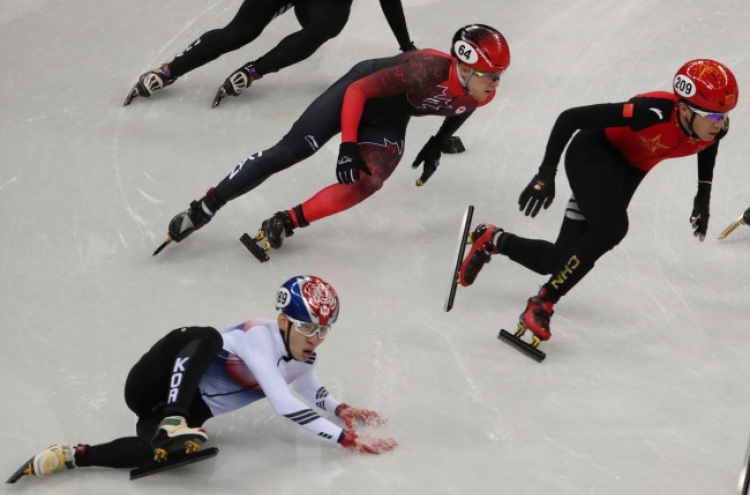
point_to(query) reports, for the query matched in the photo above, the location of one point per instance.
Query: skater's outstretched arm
(394, 14)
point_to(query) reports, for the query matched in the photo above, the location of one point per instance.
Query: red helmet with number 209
(707, 85)
(481, 47)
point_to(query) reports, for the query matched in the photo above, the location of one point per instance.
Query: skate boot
(237, 82)
(174, 436)
(536, 318)
(190, 220)
(275, 229)
(483, 243)
(52, 460)
(185, 223)
(150, 82)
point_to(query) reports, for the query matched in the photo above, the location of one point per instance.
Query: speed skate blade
(744, 482)
(160, 467)
(522, 346)
(22, 471)
(251, 246)
(220, 95)
(463, 235)
(131, 96)
(732, 228)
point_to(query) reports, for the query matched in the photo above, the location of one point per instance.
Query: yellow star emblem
(653, 143)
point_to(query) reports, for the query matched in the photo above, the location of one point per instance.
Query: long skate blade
(522, 346)
(744, 482)
(131, 96)
(460, 250)
(160, 467)
(164, 244)
(219, 96)
(732, 228)
(251, 246)
(22, 471)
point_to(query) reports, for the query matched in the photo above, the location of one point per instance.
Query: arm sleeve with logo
(637, 113)
(309, 387)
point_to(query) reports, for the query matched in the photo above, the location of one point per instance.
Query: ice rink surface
(645, 387)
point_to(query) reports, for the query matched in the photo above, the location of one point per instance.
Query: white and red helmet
(481, 47)
(309, 299)
(707, 85)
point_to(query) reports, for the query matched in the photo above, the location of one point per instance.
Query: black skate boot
(185, 223)
(150, 82)
(237, 82)
(275, 229)
(482, 242)
(174, 436)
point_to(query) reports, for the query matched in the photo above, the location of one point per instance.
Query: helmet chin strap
(285, 338)
(463, 80)
(689, 130)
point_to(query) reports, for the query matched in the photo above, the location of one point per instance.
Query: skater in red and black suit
(371, 107)
(616, 146)
(321, 20)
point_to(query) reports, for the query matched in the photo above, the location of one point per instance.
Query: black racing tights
(152, 391)
(596, 219)
(321, 20)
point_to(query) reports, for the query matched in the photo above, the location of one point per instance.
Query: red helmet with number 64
(707, 85)
(481, 47)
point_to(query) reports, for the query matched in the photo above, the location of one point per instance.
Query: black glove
(699, 217)
(540, 191)
(408, 47)
(350, 164)
(430, 155)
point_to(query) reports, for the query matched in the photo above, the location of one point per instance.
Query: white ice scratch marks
(10, 181)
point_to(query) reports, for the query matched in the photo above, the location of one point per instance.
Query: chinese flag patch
(627, 110)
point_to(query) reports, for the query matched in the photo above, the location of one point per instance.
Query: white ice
(645, 387)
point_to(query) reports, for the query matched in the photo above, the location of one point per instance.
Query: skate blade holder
(744, 219)
(166, 465)
(260, 252)
(529, 349)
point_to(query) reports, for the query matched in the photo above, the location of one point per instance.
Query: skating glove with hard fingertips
(350, 164)
(700, 214)
(349, 414)
(350, 440)
(540, 192)
(430, 156)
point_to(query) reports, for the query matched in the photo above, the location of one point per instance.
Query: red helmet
(707, 84)
(481, 47)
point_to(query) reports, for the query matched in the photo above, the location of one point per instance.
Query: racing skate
(271, 235)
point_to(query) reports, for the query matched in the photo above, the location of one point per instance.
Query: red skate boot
(536, 319)
(482, 246)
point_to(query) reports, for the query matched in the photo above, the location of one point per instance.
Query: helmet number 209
(684, 86)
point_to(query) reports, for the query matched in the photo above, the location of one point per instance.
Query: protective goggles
(712, 116)
(488, 77)
(310, 329)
